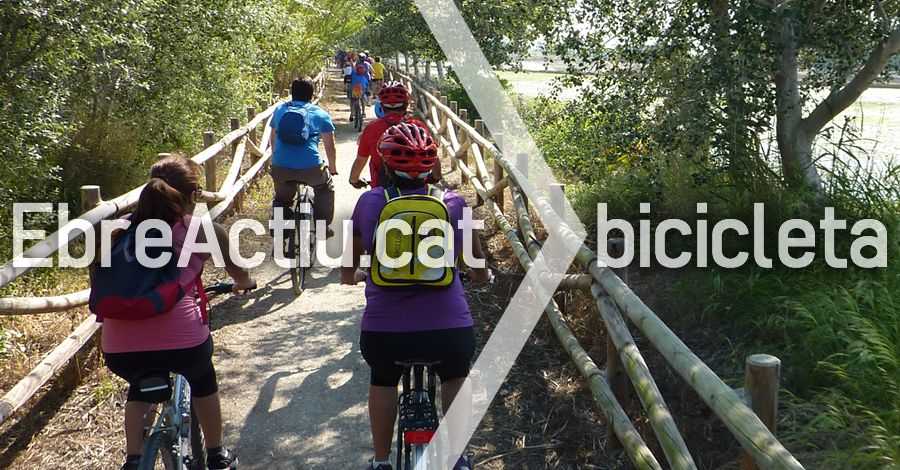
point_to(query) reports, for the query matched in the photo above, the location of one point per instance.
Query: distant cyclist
(394, 99)
(377, 75)
(430, 323)
(359, 87)
(178, 340)
(297, 128)
(348, 76)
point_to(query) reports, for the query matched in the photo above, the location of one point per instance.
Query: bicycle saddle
(155, 386)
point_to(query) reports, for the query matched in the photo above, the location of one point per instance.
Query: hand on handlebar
(359, 184)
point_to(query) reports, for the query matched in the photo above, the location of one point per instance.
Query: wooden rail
(466, 143)
(233, 186)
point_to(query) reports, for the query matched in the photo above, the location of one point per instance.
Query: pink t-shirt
(180, 328)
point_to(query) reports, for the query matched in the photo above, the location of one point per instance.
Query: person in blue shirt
(298, 127)
(359, 88)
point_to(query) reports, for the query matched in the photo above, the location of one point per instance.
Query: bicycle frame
(171, 431)
(304, 234)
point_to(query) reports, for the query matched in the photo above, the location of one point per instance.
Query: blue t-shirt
(301, 157)
(361, 79)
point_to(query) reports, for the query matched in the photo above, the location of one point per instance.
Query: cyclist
(348, 75)
(394, 99)
(179, 340)
(404, 323)
(377, 75)
(297, 128)
(359, 88)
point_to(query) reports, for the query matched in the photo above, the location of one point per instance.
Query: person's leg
(135, 413)
(285, 189)
(378, 351)
(323, 185)
(382, 414)
(209, 412)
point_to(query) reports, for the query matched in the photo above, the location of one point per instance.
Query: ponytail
(168, 195)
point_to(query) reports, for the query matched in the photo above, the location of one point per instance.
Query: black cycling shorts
(195, 364)
(453, 348)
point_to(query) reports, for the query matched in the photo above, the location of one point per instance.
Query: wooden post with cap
(498, 169)
(762, 379)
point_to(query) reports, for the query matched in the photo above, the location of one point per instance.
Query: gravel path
(293, 383)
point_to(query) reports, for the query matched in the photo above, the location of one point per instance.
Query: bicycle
(357, 112)
(175, 438)
(417, 414)
(304, 225)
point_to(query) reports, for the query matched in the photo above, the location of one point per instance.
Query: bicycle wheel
(159, 452)
(293, 252)
(417, 454)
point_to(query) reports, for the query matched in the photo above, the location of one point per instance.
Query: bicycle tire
(296, 274)
(158, 448)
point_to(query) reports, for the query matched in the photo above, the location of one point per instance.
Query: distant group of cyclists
(363, 78)
(408, 315)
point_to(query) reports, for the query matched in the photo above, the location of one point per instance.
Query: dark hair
(302, 90)
(170, 191)
(378, 59)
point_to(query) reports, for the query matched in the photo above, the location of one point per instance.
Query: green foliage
(695, 80)
(505, 29)
(92, 90)
(839, 333)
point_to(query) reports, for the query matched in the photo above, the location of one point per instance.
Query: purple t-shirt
(406, 309)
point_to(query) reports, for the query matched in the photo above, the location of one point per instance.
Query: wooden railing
(241, 142)
(749, 414)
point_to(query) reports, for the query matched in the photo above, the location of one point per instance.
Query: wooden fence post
(235, 125)
(762, 379)
(251, 113)
(210, 165)
(464, 115)
(90, 197)
(498, 169)
(454, 106)
(522, 166)
(479, 128)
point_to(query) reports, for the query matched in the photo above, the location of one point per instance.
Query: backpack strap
(202, 299)
(436, 192)
(391, 192)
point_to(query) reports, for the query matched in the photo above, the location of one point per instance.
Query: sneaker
(464, 463)
(224, 460)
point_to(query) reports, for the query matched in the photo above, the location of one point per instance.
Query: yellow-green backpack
(414, 210)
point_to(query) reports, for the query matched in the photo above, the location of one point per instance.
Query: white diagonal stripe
(525, 308)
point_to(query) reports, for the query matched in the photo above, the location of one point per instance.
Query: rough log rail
(463, 142)
(241, 140)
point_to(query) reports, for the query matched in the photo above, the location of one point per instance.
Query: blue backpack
(293, 128)
(127, 290)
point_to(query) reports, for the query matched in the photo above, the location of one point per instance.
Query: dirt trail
(292, 381)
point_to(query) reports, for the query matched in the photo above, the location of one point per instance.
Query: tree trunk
(794, 143)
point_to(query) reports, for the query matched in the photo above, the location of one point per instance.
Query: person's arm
(349, 274)
(330, 152)
(358, 165)
(479, 275)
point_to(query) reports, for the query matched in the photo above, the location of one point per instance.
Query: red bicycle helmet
(393, 95)
(409, 150)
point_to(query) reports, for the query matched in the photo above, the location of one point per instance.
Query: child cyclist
(406, 323)
(359, 88)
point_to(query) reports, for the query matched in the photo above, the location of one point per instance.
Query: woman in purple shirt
(403, 323)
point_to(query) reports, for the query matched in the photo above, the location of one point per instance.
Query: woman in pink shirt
(178, 341)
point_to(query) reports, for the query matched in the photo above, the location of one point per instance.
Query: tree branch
(839, 100)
